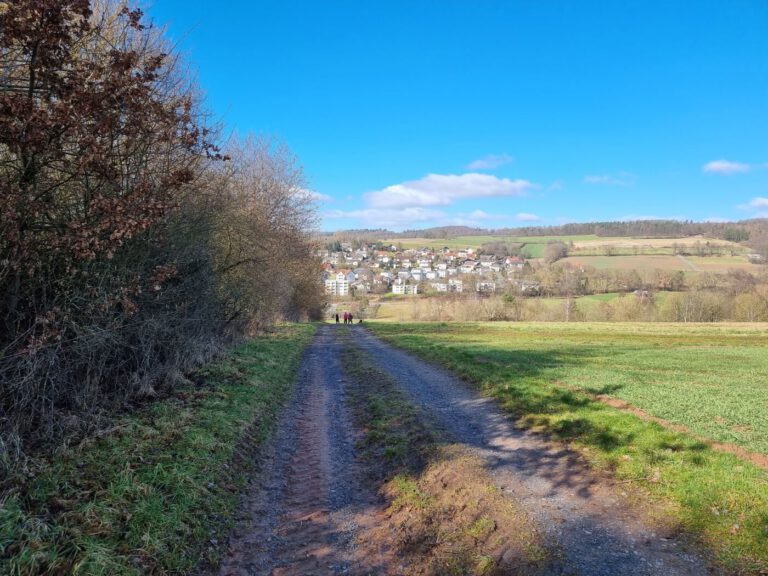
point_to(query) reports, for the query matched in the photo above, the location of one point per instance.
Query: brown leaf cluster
(129, 250)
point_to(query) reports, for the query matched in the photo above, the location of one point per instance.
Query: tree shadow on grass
(514, 442)
(524, 384)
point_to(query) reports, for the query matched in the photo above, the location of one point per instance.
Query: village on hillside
(563, 278)
(377, 269)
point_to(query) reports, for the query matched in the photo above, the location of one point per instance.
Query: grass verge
(444, 516)
(546, 377)
(156, 494)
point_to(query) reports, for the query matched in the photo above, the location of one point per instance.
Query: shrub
(131, 248)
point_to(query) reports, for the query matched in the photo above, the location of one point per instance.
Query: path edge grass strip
(444, 514)
(158, 494)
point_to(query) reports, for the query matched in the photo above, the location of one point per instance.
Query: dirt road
(311, 502)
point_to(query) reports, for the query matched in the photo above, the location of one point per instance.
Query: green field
(658, 252)
(713, 379)
(693, 264)
(722, 263)
(600, 297)
(477, 241)
(533, 245)
(709, 379)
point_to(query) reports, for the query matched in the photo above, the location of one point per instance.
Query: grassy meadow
(533, 245)
(669, 262)
(589, 246)
(709, 381)
(156, 492)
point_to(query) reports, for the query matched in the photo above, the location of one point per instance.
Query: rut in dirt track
(308, 501)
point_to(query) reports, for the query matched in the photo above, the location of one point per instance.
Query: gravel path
(599, 531)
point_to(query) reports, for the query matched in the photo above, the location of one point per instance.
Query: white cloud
(420, 202)
(482, 215)
(555, 186)
(490, 162)
(444, 189)
(316, 196)
(476, 218)
(387, 217)
(758, 207)
(461, 220)
(621, 179)
(637, 217)
(725, 167)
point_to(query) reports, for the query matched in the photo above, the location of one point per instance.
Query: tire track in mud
(308, 501)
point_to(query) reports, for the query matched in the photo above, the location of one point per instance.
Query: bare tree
(264, 242)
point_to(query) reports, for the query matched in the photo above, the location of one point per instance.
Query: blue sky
(414, 113)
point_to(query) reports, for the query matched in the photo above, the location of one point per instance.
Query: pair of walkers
(347, 318)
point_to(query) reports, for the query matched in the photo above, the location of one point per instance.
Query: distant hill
(754, 232)
(734, 231)
(372, 234)
(447, 232)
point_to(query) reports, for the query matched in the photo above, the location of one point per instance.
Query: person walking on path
(337, 317)
(350, 317)
(346, 317)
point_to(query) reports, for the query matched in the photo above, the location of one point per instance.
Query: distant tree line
(502, 248)
(132, 246)
(736, 232)
(358, 235)
(754, 232)
(445, 232)
(654, 296)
